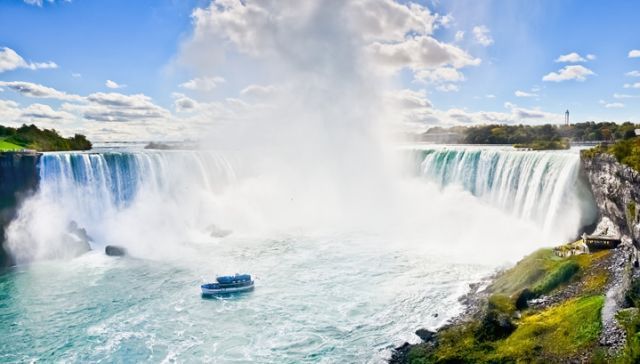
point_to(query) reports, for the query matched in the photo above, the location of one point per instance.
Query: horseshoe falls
(545, 187)
(343, 274)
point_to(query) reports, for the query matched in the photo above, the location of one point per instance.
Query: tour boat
(228, 284)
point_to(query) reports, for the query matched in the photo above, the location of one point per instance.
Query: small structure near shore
(588, 244)
(600, 242)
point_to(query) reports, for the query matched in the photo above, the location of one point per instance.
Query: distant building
(637, 132)
(566, 118)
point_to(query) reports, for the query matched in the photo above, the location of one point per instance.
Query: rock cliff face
(18, 179)
(616, 189)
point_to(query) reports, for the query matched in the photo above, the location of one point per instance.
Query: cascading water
(544, 187)
(186, 192)
(113, 179)
(106, 192)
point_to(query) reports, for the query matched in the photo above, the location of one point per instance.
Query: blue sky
(529, 36)
(126, 41)
(140, 45)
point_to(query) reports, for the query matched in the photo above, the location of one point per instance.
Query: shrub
(556, 277)
(494, 325)
(633, 294)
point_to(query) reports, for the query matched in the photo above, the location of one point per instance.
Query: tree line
(526, 134)
(45, 140)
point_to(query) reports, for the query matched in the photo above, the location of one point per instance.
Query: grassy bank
(33, 138)
(6, 146)
(506, 329)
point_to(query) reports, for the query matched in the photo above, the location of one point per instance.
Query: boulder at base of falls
(218, 232)
(115, 251)
(77, 240)
(74, 246)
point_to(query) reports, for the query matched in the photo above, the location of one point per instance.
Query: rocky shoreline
(471, 301)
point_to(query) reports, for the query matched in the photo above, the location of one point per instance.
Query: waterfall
(107, 180)
(157, 202)
(545, 187)
(154, 197)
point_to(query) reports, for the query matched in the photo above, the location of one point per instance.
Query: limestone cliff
(616, 189)
(18, 179)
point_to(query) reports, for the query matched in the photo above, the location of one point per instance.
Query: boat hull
(226, 290)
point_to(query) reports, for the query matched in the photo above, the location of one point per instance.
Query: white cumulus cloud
(258, 91)
(10, 60)
(40, 2)
(202, 83)
(421, 52)
(114, 85)
(119, 107)
(574, 72)
(183, 103)
(635, 53)
(41, 111)
(35, 90)
(387, 34)
(573, 58)
(519, 93)
(624, 96)
(439, 75)
(482, 35)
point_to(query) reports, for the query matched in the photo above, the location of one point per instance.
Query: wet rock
(76, 240)
(217, 232)
(115, 251)
(426, 335)
(400, 354)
